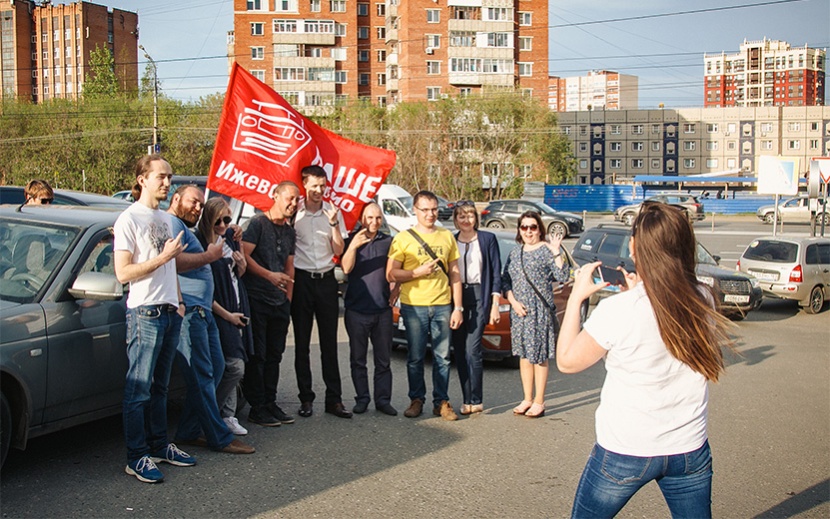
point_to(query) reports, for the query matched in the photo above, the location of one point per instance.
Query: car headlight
(571, 220)
(707, 280)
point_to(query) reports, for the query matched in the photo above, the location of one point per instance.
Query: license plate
(764, 276)
(400, 324)
(733, 298)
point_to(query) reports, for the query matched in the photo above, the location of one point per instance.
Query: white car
(794, 210)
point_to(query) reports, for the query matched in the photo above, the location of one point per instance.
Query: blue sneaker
(174, 456)
(145, 470)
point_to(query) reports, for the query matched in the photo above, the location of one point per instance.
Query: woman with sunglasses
(661, 340)
(230, 306)
(531, 271)
(480, 268)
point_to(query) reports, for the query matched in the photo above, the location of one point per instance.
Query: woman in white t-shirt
(661, 340)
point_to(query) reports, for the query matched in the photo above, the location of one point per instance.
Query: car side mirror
(97, 285)
(717, 259)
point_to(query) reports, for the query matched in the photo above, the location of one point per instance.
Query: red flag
(262, 141)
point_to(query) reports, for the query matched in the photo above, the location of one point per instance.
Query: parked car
(445, 208)
(737, 293)
(15, 195)
(62, 312)
(124, 195)
(797, 209)
(496, 343)
(694, 208)
(504, 214)
(790, 268)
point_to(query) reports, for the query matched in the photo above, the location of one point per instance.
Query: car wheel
(628, 219)
(558, 228)
(823, 218)
(769, 218)
(6, 426)
(495, 224)
(816, 302)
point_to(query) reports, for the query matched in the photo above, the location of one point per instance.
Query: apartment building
(45, 48)
(599, 90)
(765, 73)
(615, 146)
(319, 52)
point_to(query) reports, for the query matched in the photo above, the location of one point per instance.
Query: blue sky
(188, 40)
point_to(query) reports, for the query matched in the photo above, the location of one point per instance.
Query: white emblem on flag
(270, 131)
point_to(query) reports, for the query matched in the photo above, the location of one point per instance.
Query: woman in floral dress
(528, 280)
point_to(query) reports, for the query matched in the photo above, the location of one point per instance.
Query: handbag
(549, 306)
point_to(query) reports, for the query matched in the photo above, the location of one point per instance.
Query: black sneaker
(279, 414)
(261, 416)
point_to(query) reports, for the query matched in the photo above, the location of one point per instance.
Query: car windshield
(407, 202)
(545, 208)
(772, 250)
(703, 256)
(29, 252)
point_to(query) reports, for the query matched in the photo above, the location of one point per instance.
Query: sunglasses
(531, 227)
(44, 201)
(225, 219)
(465, 203)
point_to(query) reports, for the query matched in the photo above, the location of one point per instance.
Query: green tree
(100, 80)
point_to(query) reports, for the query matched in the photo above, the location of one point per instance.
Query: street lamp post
(155, 99)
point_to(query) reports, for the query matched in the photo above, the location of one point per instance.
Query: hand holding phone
(615, 278)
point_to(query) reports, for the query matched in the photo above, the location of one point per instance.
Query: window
(254, 5)
(433, 67)
(615, 163)
(433, 15)
(637, 146)
(285, 25)
(338, 53)
(689, 163)
(285, 6)
(381, 79)
(433, 93)
(655, 128)
(289, 74)
(525, 18)
(314, 6)
(583, 163)
(793, 145)
(655, 145)
(381, 56)
(381, 9)
(259, 74)
(362, 32)
(637, 129)
(616, 129)
(337, 6)
(814, 144)
(730, 128)
(583, 146)
(766, 128)
(525, 43)
(257, 29)
(655, 164)
(526, 69)
(636, 163)
(731, 145)
(381, 31)
(363, 9)
(711, 163)
(363, 55)
(766, 145)
(257, 52)
(689, 128)
(814, 126)
(494, 14)
(711, 128)
(434, 41)
(499, 39)
(363, 80)
(340, 76)
(689, 145)
(340, 29)
(731, 163)
(794, 127)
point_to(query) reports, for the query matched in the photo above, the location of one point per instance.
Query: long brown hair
(664, 252)
(142, 169)
(211, 212)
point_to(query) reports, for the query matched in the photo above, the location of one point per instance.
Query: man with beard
(199, 354)
(268, 244)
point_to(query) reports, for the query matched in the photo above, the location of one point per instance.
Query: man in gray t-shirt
(268, 244)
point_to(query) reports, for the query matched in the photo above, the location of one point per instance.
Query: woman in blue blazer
(480, 266)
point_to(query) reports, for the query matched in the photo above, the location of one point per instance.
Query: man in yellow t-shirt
(425, 264)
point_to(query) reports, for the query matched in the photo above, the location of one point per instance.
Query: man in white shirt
(320, 229)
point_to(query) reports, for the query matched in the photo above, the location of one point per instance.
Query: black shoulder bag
(428, 250)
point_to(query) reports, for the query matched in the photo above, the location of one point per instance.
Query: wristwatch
(458, 309)
(334, 224)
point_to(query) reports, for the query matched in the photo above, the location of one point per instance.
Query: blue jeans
(466, 344)
(424, 322)
(152, 336)
(202, 364)
(609, 480)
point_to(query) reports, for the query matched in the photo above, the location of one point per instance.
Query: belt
(316, 275)
(164, 307)
(470, 285)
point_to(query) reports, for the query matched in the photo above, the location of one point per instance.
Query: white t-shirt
(143, 232)
(651, 403)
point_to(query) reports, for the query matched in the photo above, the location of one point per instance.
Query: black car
(15, 195)
(737, 293)
(504, 214)
(445, 208)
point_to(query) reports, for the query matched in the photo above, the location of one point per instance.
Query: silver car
(794, 210)
(62, 313)
(790, 268)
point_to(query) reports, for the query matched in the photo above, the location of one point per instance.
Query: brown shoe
(416, 407)
(238, 447)
(445, 411)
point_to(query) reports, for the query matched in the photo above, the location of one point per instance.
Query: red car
(496, 343)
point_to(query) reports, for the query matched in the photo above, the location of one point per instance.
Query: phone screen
(613, 276)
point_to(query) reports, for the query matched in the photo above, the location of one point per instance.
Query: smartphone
(245, 320)
(615, 277)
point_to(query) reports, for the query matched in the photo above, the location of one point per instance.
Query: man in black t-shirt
(268, 244)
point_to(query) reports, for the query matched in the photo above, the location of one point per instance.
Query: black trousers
(378, 328)
(316, 298)
(269, 324)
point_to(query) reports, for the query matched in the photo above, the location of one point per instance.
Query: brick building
(615, 146)
(765, 73)
(599, 90)
(45, 48)
(318, 52)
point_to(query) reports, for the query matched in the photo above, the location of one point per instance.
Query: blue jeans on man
(423, 323)
(152, 337)
(202, 364)
(610, 480)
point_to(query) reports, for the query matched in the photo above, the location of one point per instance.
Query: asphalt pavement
(769, 432)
